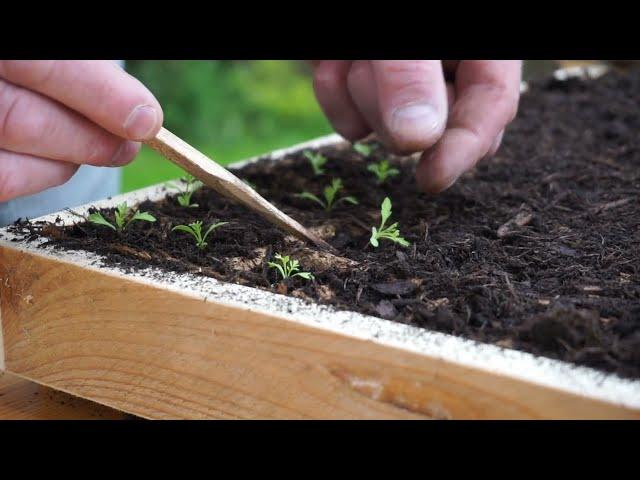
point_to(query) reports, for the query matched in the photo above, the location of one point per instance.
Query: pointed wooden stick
(224, 182)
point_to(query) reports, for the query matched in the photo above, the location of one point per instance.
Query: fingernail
(125, 153)
(415, 121)
(141, 122)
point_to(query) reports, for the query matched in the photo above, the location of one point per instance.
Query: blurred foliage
(228, 109)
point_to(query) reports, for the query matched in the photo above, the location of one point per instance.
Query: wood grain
(227, 184)
(161, 354)
(24, 400)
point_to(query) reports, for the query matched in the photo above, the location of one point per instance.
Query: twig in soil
(614, 204)
(68, 210)
(522, 219)
(123, 249)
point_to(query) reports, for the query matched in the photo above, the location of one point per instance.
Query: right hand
(56, 115)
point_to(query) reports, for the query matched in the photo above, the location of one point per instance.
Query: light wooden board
(24, 400)
(161, 354)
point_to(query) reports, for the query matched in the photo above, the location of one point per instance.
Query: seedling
(391, 232)
(317, 161)
(363, 149)
(191, 186)
(330, 200)
(123, 218)
(289, 268)
(382, 171)
(195, 230)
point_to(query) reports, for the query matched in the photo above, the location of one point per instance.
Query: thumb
(412, 98)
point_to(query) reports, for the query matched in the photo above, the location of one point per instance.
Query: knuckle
(32, 72)
(13, 124)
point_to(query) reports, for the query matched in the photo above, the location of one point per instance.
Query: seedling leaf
(329, 193)
(391, 232)
(363, 149)
(121, 214)
(317, 161)
(382, 171)
(288, 267)
(98, 219)
(195, 230)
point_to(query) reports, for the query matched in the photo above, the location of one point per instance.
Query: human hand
(58, 114)
(412, 108)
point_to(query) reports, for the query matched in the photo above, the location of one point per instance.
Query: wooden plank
(159, 353)
(24, 400)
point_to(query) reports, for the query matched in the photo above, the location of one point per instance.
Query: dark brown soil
(537, 249)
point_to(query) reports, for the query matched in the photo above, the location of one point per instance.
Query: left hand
(412, 108)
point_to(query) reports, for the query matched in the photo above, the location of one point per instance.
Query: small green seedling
(123, 218)
(391, 232)
(364, 149)
(195, 230)
(192, 185)
(289, 268)
(330, 200)
(317, 161)
(382, 171)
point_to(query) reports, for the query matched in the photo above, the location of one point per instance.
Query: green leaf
(212, 227)
(98, 219)
(122, 208)
(363, 149)
(403, 242)
(311, 196)
(278, 267)
(147, 217)
(183, 228)
(288, 268)
(305, 275)
(374, 237)
(316, 160)
(351, 200)
(385, 210)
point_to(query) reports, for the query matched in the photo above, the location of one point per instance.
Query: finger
(412, 99)
(330, 86)
(496, 144)
(362, 89)
(36, 125)
(22, 175)
(487, 93)
(98, 89)
(451, 96)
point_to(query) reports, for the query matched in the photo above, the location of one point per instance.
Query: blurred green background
(232, 110)
(229, 110)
